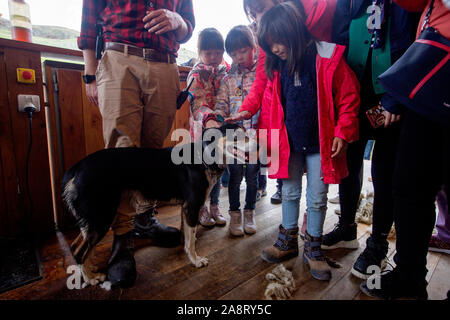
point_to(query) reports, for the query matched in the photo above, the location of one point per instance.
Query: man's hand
(339, 147)
(390, 118)
(92, 93)
(244, 115)
(163, 20)
(90, 66)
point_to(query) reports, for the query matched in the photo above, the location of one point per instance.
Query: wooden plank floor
(236, 270)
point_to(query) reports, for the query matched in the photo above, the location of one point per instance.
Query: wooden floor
(236, 270)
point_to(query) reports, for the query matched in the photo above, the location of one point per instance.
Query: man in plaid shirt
(135, 85)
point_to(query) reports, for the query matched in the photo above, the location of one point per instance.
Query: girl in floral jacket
(206, 77)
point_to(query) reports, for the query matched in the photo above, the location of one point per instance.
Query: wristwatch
(87, 78)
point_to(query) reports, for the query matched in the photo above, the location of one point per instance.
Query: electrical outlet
(25, 100)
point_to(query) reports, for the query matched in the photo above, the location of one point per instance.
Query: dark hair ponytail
(284, 24)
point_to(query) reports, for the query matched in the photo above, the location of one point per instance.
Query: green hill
(67, 38)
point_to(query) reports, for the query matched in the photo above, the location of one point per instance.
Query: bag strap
(427, 16)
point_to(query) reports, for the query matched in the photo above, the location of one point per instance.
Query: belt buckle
(146, 54)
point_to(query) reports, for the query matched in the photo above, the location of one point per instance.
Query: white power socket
(26, 100)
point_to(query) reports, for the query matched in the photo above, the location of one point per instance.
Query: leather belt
(145, 53)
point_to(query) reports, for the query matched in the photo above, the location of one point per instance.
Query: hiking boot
(236, 228)
(314, 258)
(276, 198)
(341, 237)
(205, 218)
(121, 265)
(260, 194)
(249, 221)
(217, 215)
(394, 285)
(285, 247)
(373, 255)
(146, 226)
(437, 245)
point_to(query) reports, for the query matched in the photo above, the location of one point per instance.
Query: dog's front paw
(92, 278)
(201, 262)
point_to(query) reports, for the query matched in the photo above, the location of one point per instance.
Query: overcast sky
(221, 14)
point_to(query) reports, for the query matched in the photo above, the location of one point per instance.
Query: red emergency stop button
(26, 75)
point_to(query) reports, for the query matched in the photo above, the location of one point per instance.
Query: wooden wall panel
(72, 120)
(8, 180)
(42, 219)
(3, 211)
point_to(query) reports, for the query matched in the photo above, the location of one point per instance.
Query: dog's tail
(70, 192)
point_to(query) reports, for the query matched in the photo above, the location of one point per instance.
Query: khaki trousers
(137, 101)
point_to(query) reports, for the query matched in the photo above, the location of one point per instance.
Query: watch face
(88, 78)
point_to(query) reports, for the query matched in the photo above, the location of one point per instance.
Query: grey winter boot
(314, 258)
(285, 247)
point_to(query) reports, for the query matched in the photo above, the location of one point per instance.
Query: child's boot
(249, 221)
(217, 215)
(205, 218)
(314, 258)
(236, 228)
(285, 247)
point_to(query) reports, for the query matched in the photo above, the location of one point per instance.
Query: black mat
(19, 263)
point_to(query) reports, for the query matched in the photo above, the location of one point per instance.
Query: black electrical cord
(29, 111)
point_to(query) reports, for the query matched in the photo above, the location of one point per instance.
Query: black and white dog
(92, 188)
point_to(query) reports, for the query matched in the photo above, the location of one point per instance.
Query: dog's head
(230, 144)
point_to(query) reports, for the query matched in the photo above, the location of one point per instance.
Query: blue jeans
(316, 193)
(368, 150)
(225, 178)
(262, 180)
(214, 194)
(251, 179)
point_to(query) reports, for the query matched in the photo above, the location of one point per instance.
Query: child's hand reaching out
(339, 147)
(244, 115)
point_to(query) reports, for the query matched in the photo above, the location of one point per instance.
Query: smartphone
(376, 116)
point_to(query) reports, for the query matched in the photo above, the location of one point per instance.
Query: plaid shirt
(122, 22)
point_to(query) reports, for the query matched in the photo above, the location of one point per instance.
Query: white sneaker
(334, 200)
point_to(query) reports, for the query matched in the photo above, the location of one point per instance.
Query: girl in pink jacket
(313, 108)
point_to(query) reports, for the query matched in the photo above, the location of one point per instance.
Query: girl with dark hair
(206, 76)
(315, 100)
(241, 47)
(319, 15)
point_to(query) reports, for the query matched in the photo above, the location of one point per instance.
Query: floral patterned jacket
(204, 88)
(233, 89)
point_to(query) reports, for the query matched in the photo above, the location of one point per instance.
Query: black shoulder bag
(420, 79)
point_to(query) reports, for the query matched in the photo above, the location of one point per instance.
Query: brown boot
(249, 221)
(314, 258)
(236, 228)
(285, 247)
